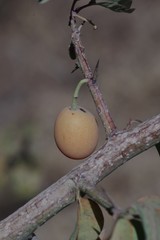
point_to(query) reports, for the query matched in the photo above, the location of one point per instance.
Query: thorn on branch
(95, 73)
(100, 196)
(132, 123)
(75, 68)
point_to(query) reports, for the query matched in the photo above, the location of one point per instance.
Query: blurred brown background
(36, 83)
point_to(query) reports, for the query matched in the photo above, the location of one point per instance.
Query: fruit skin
(76, 132)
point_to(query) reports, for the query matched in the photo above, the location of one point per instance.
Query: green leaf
(158, 147)
(124, 230)
(148, 210)
(42, 1)
(115, 5)
(90, 221)
(141, 221)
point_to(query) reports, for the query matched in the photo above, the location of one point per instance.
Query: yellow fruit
(76, 132)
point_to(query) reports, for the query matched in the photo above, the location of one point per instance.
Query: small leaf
(90, 221)
(158, 147)
(141, 221)
(115, 5)
(124, 230)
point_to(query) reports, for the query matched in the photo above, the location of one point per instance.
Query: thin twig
(101, 106)
(72, 9)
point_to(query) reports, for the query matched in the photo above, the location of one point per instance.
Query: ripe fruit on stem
(76, 130)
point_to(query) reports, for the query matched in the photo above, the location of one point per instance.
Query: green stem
(76, 93)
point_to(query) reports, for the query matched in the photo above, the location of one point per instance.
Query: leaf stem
(78, 9)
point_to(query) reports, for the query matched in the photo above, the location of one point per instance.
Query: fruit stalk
(76, 93)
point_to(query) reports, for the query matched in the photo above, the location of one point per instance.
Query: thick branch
(120, 148)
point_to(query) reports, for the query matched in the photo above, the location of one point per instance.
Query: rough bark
(120, 148)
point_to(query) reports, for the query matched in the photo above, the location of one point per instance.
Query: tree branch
(101, 106)
(120, 148)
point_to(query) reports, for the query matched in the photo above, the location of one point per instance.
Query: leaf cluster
(139, 222)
